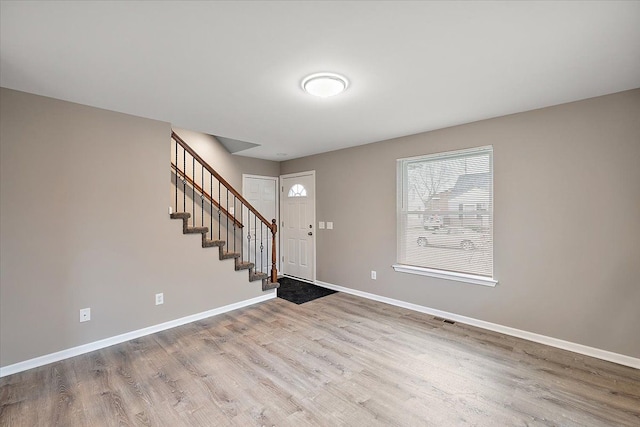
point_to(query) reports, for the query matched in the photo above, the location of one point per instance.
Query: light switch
(329, 225)
(321, 225)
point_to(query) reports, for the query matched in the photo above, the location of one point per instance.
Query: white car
(432, 222)
(463, 238)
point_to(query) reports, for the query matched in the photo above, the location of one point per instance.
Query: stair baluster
(234, 225)
(219, 218)
(176, 205)
(193, 191)
(184, 181)
(211, 206)
(261, 250)
(202, 197)
(227, 218)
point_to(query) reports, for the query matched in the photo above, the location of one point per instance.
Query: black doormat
(300, 292)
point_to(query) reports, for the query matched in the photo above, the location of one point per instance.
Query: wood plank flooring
(336, 361)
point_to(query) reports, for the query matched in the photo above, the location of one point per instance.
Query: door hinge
(282, 259)
(282, 224)
(282, 189)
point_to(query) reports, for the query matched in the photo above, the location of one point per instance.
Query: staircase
(226, 219)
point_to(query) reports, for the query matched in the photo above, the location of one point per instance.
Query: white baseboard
(299, 279)
(97, 345)
(542, 339)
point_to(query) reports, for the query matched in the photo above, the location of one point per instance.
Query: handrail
(206, 195)
(222, 180)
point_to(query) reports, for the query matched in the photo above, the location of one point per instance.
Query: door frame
(315, 225)
(277, 181)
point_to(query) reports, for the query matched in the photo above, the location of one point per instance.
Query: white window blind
(445, 211)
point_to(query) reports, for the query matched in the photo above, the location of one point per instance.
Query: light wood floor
(339, 360)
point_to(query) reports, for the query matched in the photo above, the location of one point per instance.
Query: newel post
(274, 257)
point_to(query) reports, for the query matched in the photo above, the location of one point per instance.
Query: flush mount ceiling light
(324, 85)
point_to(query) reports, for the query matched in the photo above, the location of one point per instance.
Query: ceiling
(234, 69)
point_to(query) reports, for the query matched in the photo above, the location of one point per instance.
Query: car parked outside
(432, 222)
(454, 237)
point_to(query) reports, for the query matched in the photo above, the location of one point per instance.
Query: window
(445, 215)
(297, 190)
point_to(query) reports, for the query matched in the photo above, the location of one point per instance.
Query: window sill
(448, 275)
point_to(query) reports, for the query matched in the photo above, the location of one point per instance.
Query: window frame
(402, 201)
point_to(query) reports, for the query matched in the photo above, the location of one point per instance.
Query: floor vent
(439, 319)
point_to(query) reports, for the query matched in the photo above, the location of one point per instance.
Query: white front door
(297, 225)
(261, 192)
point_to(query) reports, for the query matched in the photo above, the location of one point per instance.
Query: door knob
(310, 233)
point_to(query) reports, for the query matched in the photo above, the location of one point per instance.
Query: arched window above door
(298, 190)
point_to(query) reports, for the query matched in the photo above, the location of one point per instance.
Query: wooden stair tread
(257, 276)
(196, 230)
(208, 243)
(266, 285)
(180, 215)
(229, 255)
(244, 265)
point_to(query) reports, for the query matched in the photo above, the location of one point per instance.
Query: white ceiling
(234, 68)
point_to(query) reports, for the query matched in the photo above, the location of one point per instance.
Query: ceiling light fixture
(324, 85)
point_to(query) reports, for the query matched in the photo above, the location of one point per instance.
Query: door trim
(277, 181)
(315, 225)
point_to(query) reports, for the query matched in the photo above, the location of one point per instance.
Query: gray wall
(230, 166)
(567, 221)
(84, 194)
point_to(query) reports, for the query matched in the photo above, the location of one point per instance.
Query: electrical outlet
(160, 298)
(321, 225)
(85, 315)
(373, 274)
(329, 225)
(170, 210)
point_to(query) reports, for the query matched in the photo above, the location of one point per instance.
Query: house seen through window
(445, 211)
